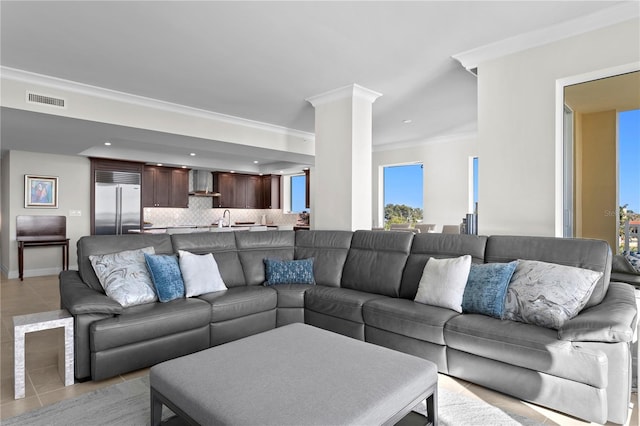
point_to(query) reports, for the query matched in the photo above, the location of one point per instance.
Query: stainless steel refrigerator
(117, 202)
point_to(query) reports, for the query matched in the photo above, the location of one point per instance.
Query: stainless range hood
(201, 184)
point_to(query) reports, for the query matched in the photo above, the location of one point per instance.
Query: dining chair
(399, 226)
(451, 229)
(426, 227)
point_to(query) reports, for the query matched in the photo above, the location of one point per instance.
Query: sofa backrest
(254, 247)
(105, 244)
(329, 251)
(439, 246)
(375, 261)
(582, 253)
(223, 247)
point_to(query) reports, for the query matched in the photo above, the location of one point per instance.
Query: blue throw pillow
(289, 271)
(487, 288)
(166, 276)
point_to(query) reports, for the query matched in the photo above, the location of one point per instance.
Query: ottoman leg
(156, 409)
(432, 407)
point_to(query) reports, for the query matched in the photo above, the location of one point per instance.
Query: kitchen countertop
(161, 229)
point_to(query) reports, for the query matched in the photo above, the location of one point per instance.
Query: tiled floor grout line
(35, 390)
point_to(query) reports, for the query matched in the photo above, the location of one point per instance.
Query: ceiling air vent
(35, 98)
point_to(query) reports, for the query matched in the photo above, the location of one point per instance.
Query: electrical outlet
(75, 212)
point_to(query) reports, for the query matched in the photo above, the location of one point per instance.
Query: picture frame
(40, 191)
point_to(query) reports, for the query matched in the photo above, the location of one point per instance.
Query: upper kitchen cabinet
(242, 191)
(165, 187)
(271, 192)
(232, 192)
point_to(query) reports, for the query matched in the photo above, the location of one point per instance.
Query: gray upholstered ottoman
(294, 375)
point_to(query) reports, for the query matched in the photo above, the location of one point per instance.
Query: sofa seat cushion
(291, 295)
(239, 302)
(149, 321)
(408, 318)
(528, 346)
(341, 303)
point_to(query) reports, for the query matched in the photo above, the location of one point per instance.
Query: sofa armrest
(612, 320)
(79, 298)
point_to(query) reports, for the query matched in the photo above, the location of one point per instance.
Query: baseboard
(38, 272)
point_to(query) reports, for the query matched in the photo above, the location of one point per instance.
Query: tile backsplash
(200, 213)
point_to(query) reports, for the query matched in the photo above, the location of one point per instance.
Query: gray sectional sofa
(365, 285)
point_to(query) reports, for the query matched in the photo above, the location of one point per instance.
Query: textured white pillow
(443, 282)
(200, 273)
(125, 277)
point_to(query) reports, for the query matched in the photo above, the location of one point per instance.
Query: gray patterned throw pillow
(125, 277)
(634, 259)
(547, 294)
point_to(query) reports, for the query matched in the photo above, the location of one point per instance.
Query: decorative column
(342, 178)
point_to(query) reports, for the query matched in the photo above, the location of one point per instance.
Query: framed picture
(41, 191)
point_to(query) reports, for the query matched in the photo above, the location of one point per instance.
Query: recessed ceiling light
(255, 161)
(261, 174)
(232, 171)
(193, 154)
(406, 121)
(184, 167)
(159, 164)
(281, 171)
(305, 168)
(107, 143)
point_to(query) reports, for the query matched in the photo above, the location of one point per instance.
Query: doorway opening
(594, 156)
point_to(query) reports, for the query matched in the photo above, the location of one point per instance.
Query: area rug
(127, 404)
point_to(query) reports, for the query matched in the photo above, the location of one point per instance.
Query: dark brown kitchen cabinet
(232, 194)
(165, 187)
(271, 192)
(242, 191)
(180, 188)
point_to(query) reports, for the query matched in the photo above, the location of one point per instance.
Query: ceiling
(621, 93)
(259, 61)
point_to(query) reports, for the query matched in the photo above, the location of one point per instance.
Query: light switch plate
(75, 212)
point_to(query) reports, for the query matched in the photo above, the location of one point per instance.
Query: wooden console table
(41, 231)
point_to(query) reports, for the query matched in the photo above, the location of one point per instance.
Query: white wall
(446, 177)
(516, 125)
(73, 194)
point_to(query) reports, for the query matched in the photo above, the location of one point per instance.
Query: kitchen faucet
(225, 214)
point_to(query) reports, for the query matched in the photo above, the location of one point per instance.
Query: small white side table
(23, 324)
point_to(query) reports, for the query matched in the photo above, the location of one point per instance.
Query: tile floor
(44, 386)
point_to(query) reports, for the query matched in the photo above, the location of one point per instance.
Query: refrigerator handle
(118, 210)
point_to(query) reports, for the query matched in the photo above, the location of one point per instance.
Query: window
(298, 200)
(629, 178)
(475, 185)
(403, 193)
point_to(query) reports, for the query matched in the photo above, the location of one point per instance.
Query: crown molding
(28, 77)
(352, 90)
(470, 59)
(393, 146)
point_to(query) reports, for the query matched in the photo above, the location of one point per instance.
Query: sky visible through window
(403, 185)
(629, 155)
(297, 193)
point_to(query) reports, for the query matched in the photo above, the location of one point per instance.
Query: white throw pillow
(124, 276)
(200, 273)
(443, 282)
